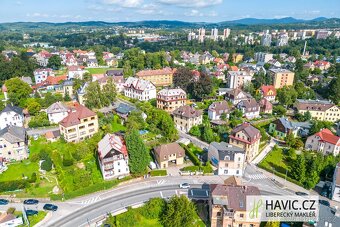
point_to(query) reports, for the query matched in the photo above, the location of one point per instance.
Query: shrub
(6, 186)
(11, 210)
(67, 162)
(158, 172)
(46, 165)
(191, 168)
(154, 208)
(33, 178)
(192, 156)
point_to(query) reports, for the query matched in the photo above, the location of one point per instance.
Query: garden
(196, 156)
(99, 70)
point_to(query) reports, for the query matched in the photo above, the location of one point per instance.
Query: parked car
(31, 201)
(50, 207)
(301, 193)
(324, 202)
(31, 212)
(184, 185)
(4, 201)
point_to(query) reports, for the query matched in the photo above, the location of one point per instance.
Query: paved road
(194, 140)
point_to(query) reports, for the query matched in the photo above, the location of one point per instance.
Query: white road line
(161, 194)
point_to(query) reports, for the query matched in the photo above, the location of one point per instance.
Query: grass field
(98, 70)
(36, 218)
(275, 160)
(116, 125)
(18, 170)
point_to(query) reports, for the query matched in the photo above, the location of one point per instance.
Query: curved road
(85, 215)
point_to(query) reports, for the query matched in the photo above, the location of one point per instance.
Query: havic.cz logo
(282, 208)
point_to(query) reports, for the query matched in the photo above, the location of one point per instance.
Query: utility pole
(304, 49)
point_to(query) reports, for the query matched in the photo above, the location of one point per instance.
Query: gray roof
(124, 108)
(226, 149)
(294, 125)
(10, 108)
(13, 134)
(57, 107)
(68, 83)
(327, 214)
(27, 79)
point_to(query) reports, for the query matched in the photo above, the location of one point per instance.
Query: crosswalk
(159, 182)
(91, 200)
(258, 176)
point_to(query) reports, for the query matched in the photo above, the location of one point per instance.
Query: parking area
(174, 169)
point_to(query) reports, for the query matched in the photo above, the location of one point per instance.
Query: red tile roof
(75, 116)
(327, 136)
(154, 72)
(266, 88)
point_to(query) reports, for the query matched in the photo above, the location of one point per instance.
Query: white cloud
(198, 13)
(192, 3)
(44, 15)
(124, 3)
(149, 9)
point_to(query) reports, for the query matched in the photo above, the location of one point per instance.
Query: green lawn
(275, 160)
(18, 170)
(148, 222)
(99, 70)
(116, 125)
(36, 218)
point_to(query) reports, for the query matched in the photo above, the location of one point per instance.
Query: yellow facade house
(322, 110)
(159, 77)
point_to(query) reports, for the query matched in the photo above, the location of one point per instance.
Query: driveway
(194, 140)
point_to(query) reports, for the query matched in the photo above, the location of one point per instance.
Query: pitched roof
(313, 105)
(219, 107)
(233, 181)
(114, 72)
(265, 105)
(187, 111)
(155, 72)
(52, 134)
(138, 84)
(124, 108)
(111, 142)
(57, 107)
(77, 113)
(163, 151)
(252, 132)
(327, 136)
(266, 88)
(13, 134)
(249, 104)
(10, 108)
(234, 197)
(171, 92)
(226, 150)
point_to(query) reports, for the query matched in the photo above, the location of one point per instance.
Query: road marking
(160, 182)
(259, 176)
(161, 194)
(91, 200)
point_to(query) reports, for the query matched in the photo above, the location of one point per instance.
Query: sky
(184, 10)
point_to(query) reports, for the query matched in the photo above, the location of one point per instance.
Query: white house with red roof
(268, 92)
(41, 75)
(113, 157)
(75, 72)
(324, 141)
(140, 89)
(42, 57)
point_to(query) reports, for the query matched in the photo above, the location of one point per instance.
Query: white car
(184, 185)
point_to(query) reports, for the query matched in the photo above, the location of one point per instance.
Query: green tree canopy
(54, 62)
(18, 91)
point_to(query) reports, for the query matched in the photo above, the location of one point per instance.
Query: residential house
(321, 110)
(322, 65)
(324, 141)
(206, 58)
(282, 127)
(42, 58)
(227, 205)
(27, 80)
(265, 106)
(263, 57)
(75, 72)
(186, 117)
(159, 77)
(57, 112)
(236, 95)
(91, 63)
(68, 87)
(170, 99)
(41, 75)
(80, 124)
(52, 136)
(8, 219)
(166, 154)
(281, 77)
(118, 78)
(13, 143)
(250, 108)
(268, 92)
(123, 110)
(228, 159)
(246, 137)
(237, 58)
(11, 116)
(237, 79)
(113, 157)
(140, 89)
(336, 184)
(216, 109)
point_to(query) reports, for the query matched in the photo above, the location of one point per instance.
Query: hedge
(7, 186)
(192, 156)
(158, 172)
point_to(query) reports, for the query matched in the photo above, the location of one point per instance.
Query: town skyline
(141, 10)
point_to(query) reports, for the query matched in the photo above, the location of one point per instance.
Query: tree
(179, 211)
(195, 131)
(109, 92)
(208, 134)
(286, 95)
(93, 95)
(334, 90)
(138, 154)
(318, 125)
(47, 164)
(54, 62)
(183, 78)
(18, 91)
(135, 121)
(203, 87)
(290, 139)
(279, 111)
(298, 168)
(33, 106)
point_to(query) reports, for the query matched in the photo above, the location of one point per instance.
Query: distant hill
(244, 23)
